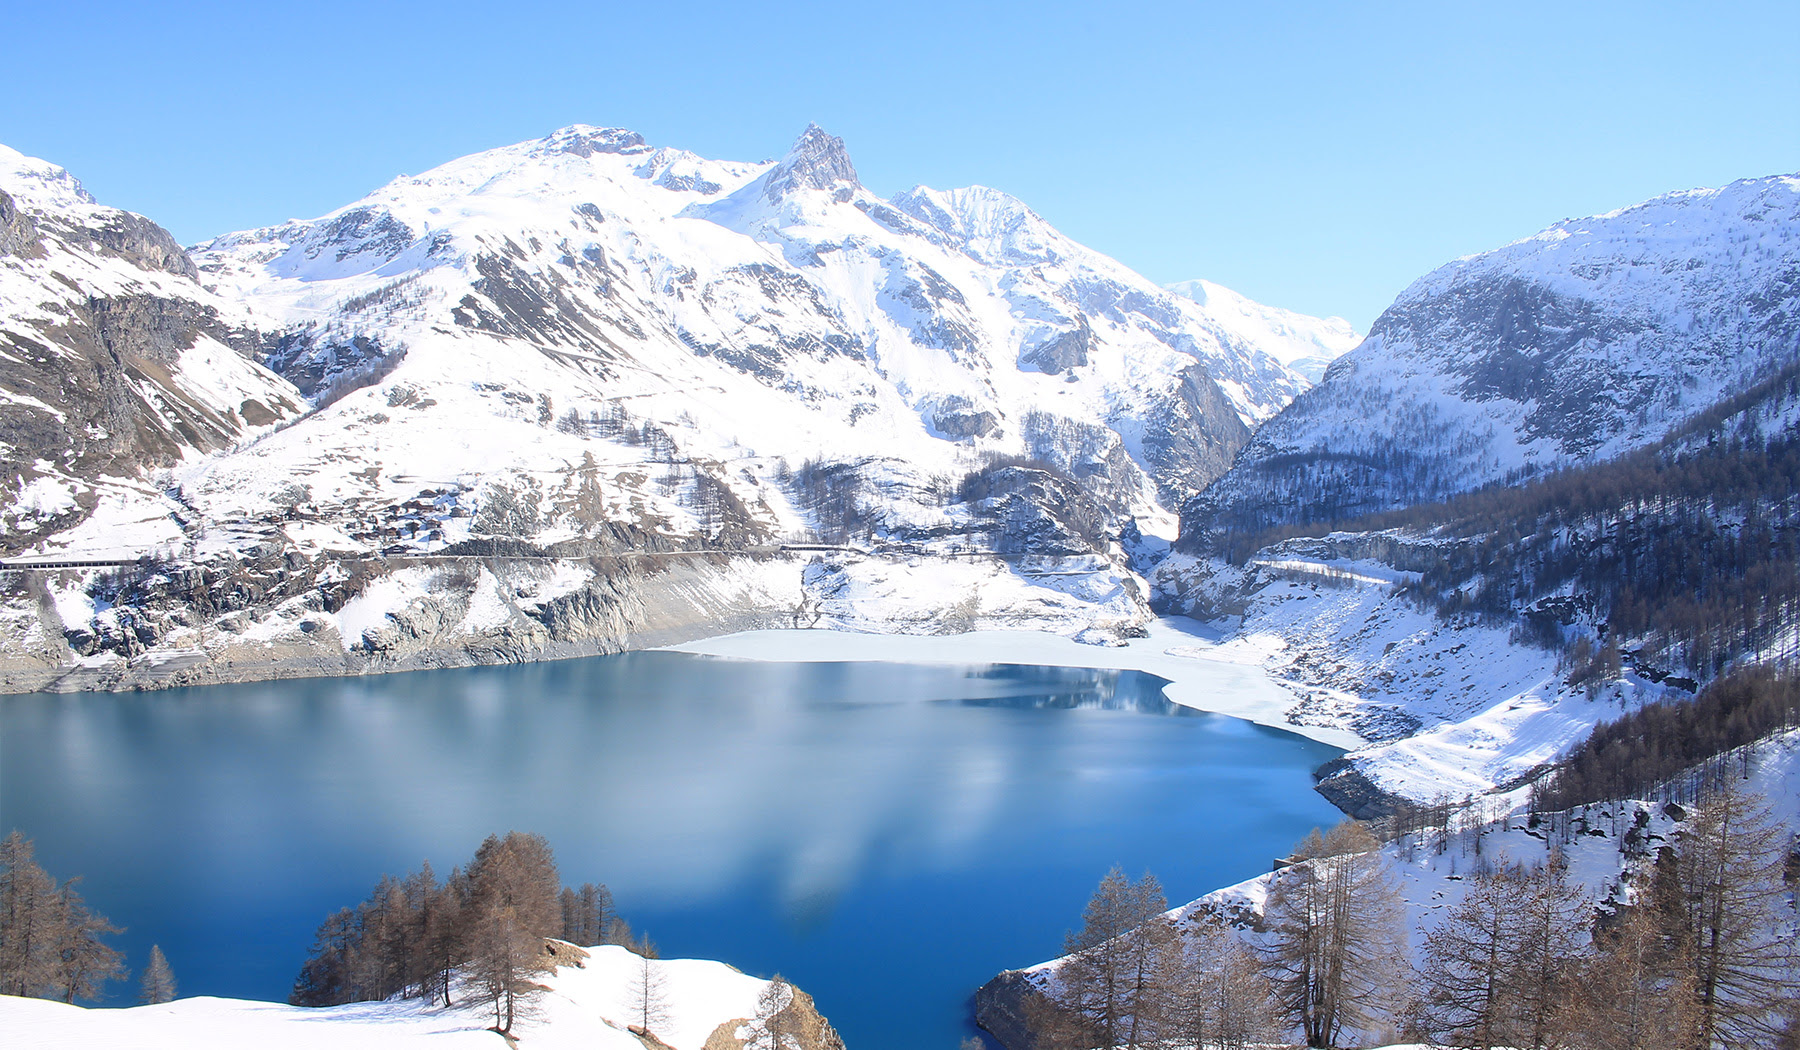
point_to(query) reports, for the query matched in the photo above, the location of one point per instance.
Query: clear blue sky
(1314, 156)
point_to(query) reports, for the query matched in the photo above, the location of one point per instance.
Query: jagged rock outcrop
(801, 1023)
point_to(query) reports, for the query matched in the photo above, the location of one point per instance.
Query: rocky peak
(585, 140)
(817, 161)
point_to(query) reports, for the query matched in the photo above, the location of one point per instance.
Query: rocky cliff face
(114, 363)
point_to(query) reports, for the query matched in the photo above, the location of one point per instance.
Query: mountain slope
(1473, 638)
(114, 362)
(587, 347)
(784, 308)
(1572, 346)
(1305, 344)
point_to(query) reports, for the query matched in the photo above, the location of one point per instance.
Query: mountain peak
(817, 161)
(585, 140)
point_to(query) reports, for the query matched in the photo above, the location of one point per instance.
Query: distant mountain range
(585, 345)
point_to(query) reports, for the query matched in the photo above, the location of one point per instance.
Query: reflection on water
(886, 835)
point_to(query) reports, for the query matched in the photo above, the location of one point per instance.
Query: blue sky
(1314, 156)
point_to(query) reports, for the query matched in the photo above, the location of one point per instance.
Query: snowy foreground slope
(587, 1007)
(588, 347)
(1608, 849)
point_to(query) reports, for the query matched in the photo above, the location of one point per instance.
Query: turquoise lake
(888, 836)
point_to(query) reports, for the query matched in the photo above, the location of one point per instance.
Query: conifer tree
(1215, 994)
(774, 1027)
(1553, 917)
(1336, 947)
(83, 961)
(1496, 967)
(1466, 963)
(50, 941)
(28, 920)
(514, 905)
(1636, 992)
(158, 982)
(1109, 977)
(650, 1002)
(1730, 858)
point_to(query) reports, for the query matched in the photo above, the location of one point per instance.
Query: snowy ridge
(114, 362)
(1305, 344)
(1572, 346)
(784, 308)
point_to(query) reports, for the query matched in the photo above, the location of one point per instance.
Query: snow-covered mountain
(1305, 344)
(1447, 635)
(585, 345)
(114, 362)
(1571, 346)
(750, 311)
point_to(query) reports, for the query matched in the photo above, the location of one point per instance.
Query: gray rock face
(93, 375)
(17, 233)
(1195, 435)
(1000, 1009)
(583, 141)
(817, 161)
(626, 605)
(106, 371)
(140, 242)
(1060, 352)
(958, 418)
(1345, 787)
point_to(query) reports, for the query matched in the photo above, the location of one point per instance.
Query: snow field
(586, 1008)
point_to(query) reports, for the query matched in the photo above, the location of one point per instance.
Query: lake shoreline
(1185, 652)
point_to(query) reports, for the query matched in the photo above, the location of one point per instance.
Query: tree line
(1666, 749)
(480, 932)
(52, 944)
(1695, 960)
(1692, 546)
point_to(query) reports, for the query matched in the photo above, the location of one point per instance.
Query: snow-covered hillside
(1449, 707)
(535, 302)
(114, 362)
(1583, 341)
(591, 1005)
(1305, 344)
(1608, 850)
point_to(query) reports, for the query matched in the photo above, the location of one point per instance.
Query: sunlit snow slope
(1571, 346)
